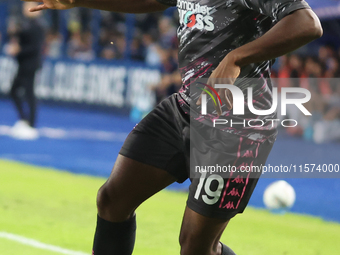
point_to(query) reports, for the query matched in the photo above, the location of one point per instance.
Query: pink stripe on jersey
(245, 186)
(231, 174)
(247, 180)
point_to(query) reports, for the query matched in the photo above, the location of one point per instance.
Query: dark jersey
(208, 31)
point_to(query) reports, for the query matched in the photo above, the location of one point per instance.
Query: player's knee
(102, 199)
(106, 201)
(110, 206)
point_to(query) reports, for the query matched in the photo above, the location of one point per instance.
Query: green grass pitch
(58, 208)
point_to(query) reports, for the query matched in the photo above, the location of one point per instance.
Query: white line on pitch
(60, 133)
(39, 245)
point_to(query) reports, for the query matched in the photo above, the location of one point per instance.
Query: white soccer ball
(279, 195)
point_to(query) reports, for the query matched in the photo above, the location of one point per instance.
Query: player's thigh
(129, 184)
(151, 158)
(200, 235)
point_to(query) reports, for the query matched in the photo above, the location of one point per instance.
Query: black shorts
(166, 139)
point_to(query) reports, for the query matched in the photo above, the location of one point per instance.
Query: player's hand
(51, 4)
(225, 73)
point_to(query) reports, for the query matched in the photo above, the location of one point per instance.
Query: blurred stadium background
(102, 72)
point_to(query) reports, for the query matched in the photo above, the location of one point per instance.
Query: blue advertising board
(121, 85)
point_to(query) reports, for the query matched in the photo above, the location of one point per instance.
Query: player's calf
(200, 235)
(129, 185)
(116, 225)
(192, 246)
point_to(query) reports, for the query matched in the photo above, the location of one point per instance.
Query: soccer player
(226, 39)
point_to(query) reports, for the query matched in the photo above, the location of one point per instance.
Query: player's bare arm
(127, 6)
(289, 34)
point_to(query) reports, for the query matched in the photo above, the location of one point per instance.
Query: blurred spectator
(318, 74)
(325, 53)
(167, 32)
(108, 53)
(152, 50)
(120, 46)
(152, 33)
(26, 46)
(54, 42)
(328, 128)
(171, 79)
(333, 68)
(80, 46)
(137, 49)
(296, 70)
